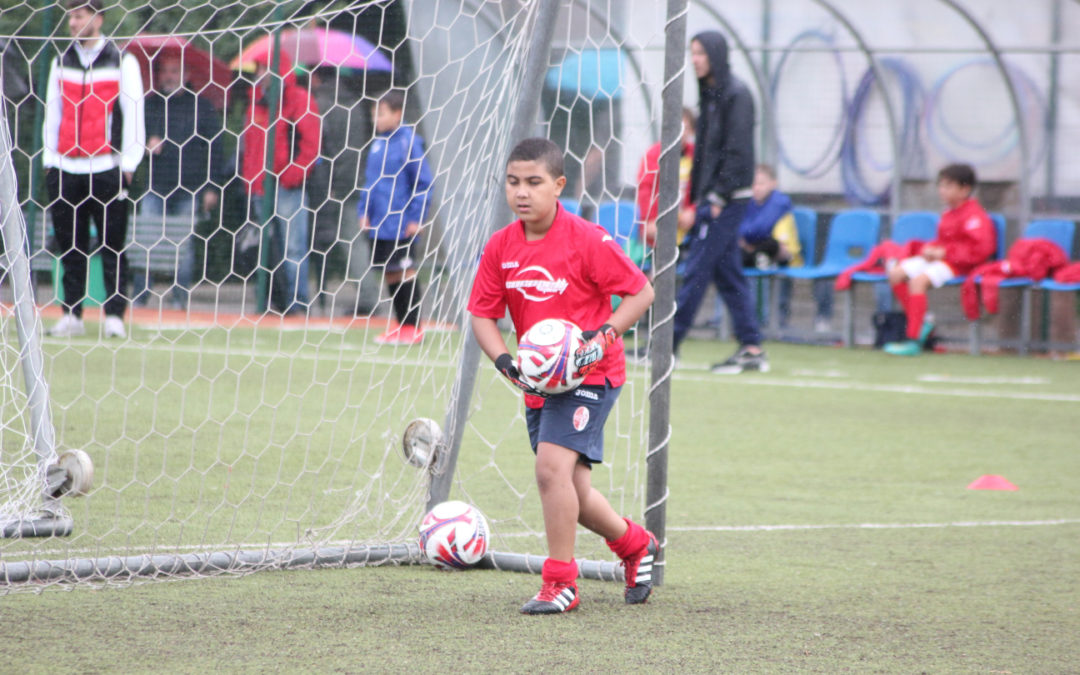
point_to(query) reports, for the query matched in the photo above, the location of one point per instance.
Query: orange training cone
(992, 482)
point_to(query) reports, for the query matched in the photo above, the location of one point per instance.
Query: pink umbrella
(314, 47)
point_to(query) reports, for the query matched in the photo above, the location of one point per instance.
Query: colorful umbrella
(205, 75)
(314, 47)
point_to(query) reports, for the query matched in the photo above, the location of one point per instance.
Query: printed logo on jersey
(536, 283)
(585, 393)
(511, 265)
(973, 223)
(581, 418)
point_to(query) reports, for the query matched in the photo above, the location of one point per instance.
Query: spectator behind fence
(391, 210)
(720, 180)
(648, 192)
(183, 137)
(93, 142)
(965, 238)
(297, 127)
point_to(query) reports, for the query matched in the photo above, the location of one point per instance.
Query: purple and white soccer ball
(454, 535)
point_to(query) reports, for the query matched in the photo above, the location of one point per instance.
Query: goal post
(227, 439)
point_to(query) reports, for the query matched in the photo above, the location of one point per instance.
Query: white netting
(226, 439)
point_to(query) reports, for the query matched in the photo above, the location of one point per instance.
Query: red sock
(916, 312)
(559, 571)
(902, 294)
(631, 542)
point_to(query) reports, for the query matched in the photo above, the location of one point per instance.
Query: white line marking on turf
(981, 379)
(877, 526)
(175, 550)
(819, 373)
(756, 380)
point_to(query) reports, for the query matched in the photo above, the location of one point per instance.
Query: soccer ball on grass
(454, 535)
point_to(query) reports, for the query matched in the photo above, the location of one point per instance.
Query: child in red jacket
(965, 239)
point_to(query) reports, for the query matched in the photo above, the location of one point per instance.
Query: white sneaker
(114, 327)
(69, 325)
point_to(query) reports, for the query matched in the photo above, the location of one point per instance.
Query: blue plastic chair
(619, 219)
(806, 227)
(851, 236)
(1061, 232)
(909, 226)
(806, 224)
(571, 205)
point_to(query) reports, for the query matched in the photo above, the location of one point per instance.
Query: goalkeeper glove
(588, 356)
(505, 365)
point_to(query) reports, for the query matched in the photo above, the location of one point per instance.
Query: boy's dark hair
(539, 150)
(393, 99)
(689, 114)
(766, 169)
(94, 6)
(961, 174)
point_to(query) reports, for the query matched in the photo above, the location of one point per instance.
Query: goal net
(249, 417)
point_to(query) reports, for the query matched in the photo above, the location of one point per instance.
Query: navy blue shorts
(574, 420)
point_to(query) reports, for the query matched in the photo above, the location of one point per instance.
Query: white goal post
(228, 436)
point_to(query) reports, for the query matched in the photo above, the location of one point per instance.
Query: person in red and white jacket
(965, 238)
(94, 139)
(550, 264)
(297, 132)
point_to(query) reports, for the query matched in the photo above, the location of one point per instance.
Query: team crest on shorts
(581, 418)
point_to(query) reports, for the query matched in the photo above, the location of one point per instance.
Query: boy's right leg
(555, 466)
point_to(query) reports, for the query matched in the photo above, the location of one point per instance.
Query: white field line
(166, 550)
(335, 354)
(905, 389)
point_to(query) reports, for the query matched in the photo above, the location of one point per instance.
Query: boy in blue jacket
(391, 210)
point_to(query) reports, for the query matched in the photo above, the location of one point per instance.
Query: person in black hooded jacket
(720, 180)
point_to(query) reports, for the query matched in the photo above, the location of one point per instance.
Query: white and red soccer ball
(545, 355)
(454, 535)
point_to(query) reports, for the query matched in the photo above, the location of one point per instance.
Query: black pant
(74, 200)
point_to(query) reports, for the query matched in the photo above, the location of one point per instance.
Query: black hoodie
(724, 146)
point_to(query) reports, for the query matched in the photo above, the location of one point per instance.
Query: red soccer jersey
(569, 274)
(968, 236)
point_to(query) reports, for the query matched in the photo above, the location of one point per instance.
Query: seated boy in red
(965, 239)
(552, 264)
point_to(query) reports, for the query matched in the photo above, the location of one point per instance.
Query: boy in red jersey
(552, 264)
(965, 239)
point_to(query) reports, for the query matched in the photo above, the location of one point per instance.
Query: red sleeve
(647, 197)
(611, 269)
(488, 299)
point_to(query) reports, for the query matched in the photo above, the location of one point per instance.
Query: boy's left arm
(419, 174)
(587, 358)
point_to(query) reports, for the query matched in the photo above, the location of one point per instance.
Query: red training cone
(992, 482)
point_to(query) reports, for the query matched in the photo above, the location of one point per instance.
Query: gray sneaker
(742, 361)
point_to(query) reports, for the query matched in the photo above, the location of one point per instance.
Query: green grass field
(819, 521)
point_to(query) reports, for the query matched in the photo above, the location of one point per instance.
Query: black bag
(889, 327)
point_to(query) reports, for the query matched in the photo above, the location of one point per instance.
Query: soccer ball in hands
(454, 535)
(545, 356)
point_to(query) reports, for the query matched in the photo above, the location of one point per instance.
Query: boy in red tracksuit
(965, 239)
(552, 264)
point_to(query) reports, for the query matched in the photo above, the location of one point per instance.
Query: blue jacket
(759, 219)
(397, 183)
